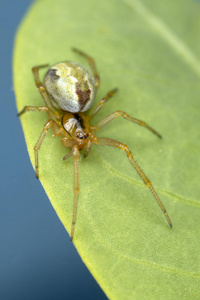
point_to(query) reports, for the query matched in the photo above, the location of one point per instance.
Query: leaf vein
(166, 34)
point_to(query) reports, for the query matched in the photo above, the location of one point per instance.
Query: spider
(68, 91)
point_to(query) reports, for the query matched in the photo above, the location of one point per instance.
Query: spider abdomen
(70, 87)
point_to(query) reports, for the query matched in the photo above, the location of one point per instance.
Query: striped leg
(119, 113)
(113, 143)
(76, 188)
(39, 143)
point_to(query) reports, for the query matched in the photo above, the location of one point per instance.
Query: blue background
(37, 259)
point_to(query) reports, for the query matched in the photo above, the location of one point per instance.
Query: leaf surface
(149, 50)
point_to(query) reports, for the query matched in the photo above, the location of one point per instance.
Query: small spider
(68, 92)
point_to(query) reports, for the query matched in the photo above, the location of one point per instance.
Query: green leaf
(149, 49)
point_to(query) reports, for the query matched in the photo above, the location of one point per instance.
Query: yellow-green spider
(68, 91)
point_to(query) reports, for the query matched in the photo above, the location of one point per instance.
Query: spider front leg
(68, 143)
(48, 125)
(119, 113)
(116, 144)
(75, 151)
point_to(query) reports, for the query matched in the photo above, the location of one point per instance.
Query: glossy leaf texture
(149, 49)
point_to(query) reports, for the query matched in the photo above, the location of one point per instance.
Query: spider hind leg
(116, 144)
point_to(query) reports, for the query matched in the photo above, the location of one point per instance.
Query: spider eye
(79, 135)
(82, 135)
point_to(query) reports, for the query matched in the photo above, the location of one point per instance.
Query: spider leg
(46, 109)
(119, 113)
(92, 65)
(87, 148)
(68, 144)
(39, 143)
(33, 108)
(75, 151)
(67, 155)
(41, 88)
(116, 144)
(99, 105)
